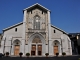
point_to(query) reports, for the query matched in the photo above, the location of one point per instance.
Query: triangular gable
(37, 5)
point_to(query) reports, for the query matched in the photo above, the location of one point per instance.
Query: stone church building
(35, 35)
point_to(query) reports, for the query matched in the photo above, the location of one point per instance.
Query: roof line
(59, 29)
(12, 26)
(22, 22)
(34, 5)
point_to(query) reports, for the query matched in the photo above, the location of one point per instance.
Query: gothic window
(36, 22)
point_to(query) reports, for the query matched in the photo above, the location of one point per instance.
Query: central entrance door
(36, 50)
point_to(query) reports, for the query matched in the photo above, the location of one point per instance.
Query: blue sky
(65, 14)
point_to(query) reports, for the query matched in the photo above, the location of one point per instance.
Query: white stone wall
(11, 32)
(66, 42)
(8, 37)
(57, 33)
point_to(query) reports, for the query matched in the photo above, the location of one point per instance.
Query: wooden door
(16, 50)
(33, 50)
(39, 49)
(55, 49)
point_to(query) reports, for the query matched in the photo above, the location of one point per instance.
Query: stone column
(2, 49)
(50, 48)
(49, 34)
(24, 33)
(12, 50)
(36, 50)
(60, 48)
(10, 44)
(46, 48)
(26, 49)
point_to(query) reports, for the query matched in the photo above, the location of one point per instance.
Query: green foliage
(63, 53)
(20, 54)
(57, 54)
(46, 54)
(27, 54)
(7, 54)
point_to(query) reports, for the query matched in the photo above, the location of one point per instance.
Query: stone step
(42, 58)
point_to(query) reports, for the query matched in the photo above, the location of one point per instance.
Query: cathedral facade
(35, 35)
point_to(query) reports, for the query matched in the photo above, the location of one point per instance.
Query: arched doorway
(36, 47)
(40, 43)
(16, 47)
(56, 47)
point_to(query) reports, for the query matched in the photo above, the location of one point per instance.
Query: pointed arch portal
(36, 48)
(37, 43)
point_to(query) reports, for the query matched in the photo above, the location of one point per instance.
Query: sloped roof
(74, 33)
(58, 29)
(13, 26)
(37, 4)
(22, 23)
